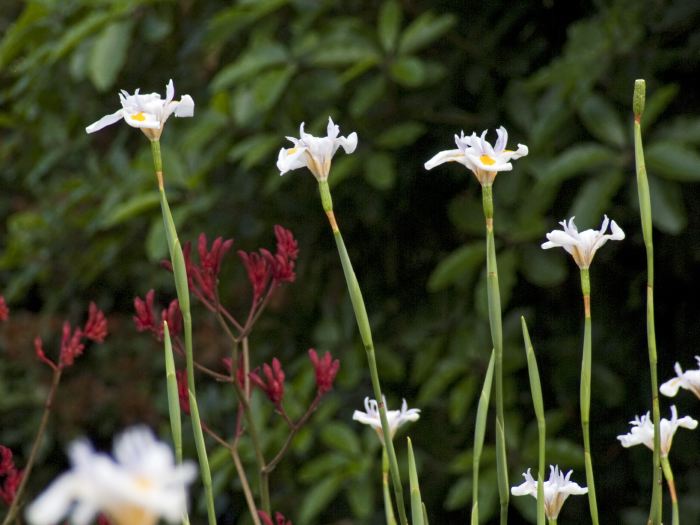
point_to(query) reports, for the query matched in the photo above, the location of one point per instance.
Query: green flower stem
(552, 521)
(586, 364)
(668, 474)
(183, 296)
(173, 401)
(358, 306)
(479, 433)
(645, 214)
(388, 504)
(537, 401)
(495, 323)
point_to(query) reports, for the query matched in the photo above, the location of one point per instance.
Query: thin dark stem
(222, 378)
(14, 507)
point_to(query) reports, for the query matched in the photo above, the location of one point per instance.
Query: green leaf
(323, 465)
(443, 375)
(269, 86)
(78, 32)
(380, 171)
(461, 399)
(667, 208)
(657, 103)
(367, 94)
(424, 30)
(408, 71)
(595, 196)
(602, 120)
(341, 437)
(109, 54)
(461, 265)
(250, 63)
(360, 496)
(673, 161)
(400, 135)
(389, 24)
(544, 268)
(318, 498)
(133, 207)
(576, 160)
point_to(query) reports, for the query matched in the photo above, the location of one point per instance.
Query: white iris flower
(642, 432)
(477, 154)
(690, 380)
(556, 489)
(147, 112)
(583, 245)
(141, 484)
(396, 418)
(315, 153)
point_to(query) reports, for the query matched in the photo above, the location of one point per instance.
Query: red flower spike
(326, 369)
(240, 372)
(279, 518)
(273, 386)
(6, 462)
(39, 350)
(183, 391)
(96, 326)
(287, 246)
(4, 310)
(13, 477)
(173, 316)
(144, 318)
(71, 345)
(258, 272)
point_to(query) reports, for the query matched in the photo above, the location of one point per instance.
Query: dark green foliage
(81, 221)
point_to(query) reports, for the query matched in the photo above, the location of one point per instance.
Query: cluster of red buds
(145, 318)
(10, 476)
(203, 278)
(267, 270)
(73, 339)
(326, 369)
(279, 518)
(4, 310)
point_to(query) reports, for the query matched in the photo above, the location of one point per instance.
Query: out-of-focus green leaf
(380, 171)
(367, 94)
(602, 120)
(259, 58)
(462, 264)
(461, 399)
(360, 496)
(595, 196)
(254, 150)
(657, 101)
(389, 24)
(339, 436)
(77, 32)
(408, 71)
(19, 31)
(109, 53)
(443, 375)
(318, 497)
(673, 161)
(400, 135)
(424, 30)
(667, 207)
(684, 129)
(543, 267)
(322, 465)
(133, 207)
(576, 160)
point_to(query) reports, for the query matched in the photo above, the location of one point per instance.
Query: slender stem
(552, 521)
(479, 433)
(585, 392)
(358, 306)
(177, 261)
(252, 509)
(668, 474)
(221, 378)
(655, 511)
(495, 324)
(48, 404)
(389, 516)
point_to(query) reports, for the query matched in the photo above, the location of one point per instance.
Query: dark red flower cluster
(4, 310)
(279, 518)
(240, 371)
(73, 339)
(273, 385)
(183, 391)
(10, 476)
(145, 318)
(326, 369)
(203, 278)
(266, 269)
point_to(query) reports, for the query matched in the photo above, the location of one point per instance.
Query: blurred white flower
(556, 489)
(642, 432)
(141, 484)
(690, 380)
(315, 153)
(477, 154)
(583, 245)
(396, 418)
(148, 112)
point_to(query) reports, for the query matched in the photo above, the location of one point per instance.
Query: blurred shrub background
(80, 221)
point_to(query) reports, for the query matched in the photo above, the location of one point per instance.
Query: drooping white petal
(556, 490)
(688, 380)
(582, 245)
(450, 155)
(105, 121)
(184, 108)
(395, 418)
(642, 431)
(291, 159)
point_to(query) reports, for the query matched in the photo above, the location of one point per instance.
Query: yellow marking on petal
(139, 116)
(143, 483)
(292, 151)
(485, 159)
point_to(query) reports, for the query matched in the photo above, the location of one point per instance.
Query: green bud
(638, 97)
